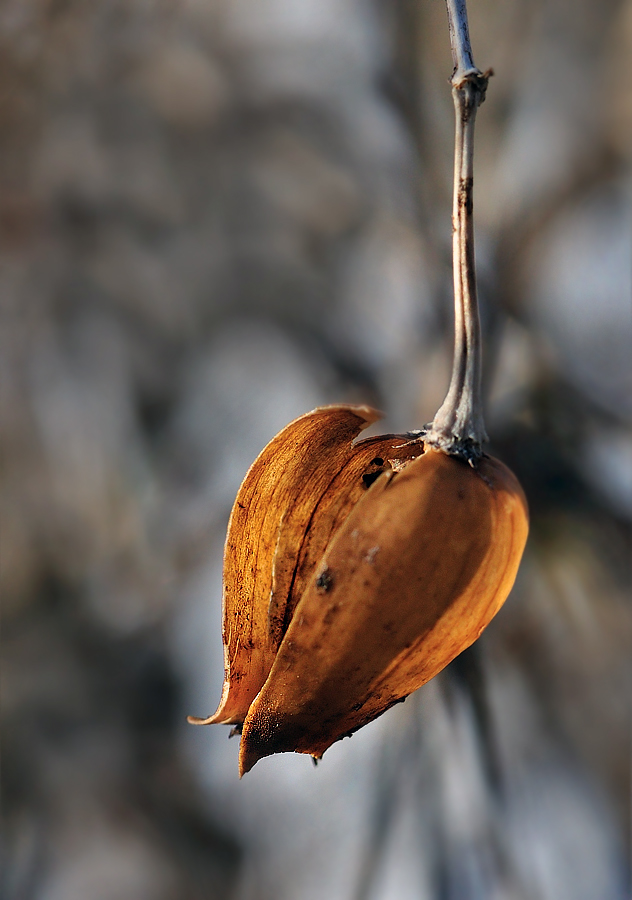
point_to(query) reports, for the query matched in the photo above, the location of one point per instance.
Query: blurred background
(216, 215)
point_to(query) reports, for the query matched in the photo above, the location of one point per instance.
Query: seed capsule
(353, 573)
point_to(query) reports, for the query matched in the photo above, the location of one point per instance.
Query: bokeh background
(216, 215)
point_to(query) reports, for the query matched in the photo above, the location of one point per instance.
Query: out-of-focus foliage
(215, 215)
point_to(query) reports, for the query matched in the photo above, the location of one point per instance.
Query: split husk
(353, 573)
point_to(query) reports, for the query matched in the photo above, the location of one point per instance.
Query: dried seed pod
(353, 573)
(422, 563)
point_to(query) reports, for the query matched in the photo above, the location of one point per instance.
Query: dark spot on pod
(370, 477)
(378, 461)
(331, 613)
(325, 580)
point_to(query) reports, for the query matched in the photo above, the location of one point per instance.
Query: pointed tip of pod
(268, 730)
(252, 750)
(246, 763)
(223, 715)
(257, 741)
(198, 720)
(216, 719)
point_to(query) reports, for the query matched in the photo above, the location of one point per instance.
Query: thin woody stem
(458, 427)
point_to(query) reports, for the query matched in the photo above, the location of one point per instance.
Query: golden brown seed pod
(421, 565)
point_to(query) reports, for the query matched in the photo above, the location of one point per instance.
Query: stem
(458, 427)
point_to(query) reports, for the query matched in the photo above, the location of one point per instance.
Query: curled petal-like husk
(294, 497)
(421, 564)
